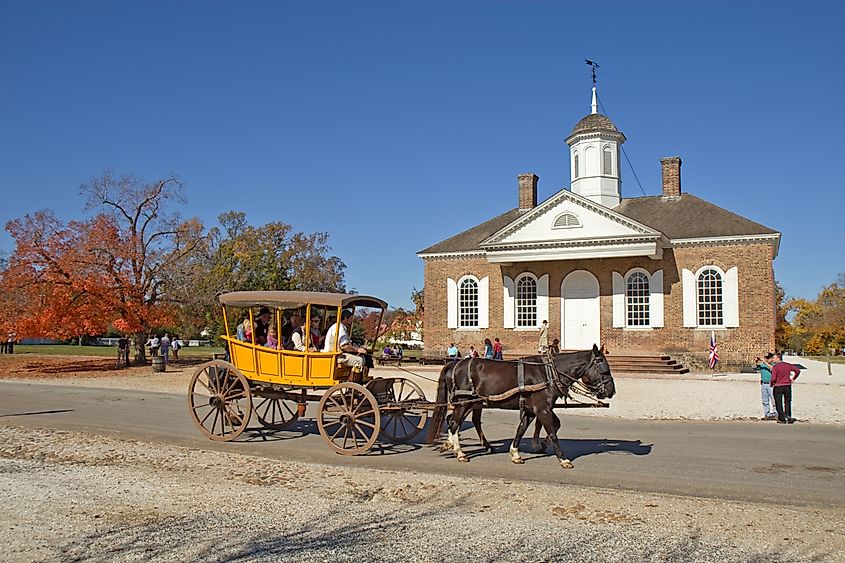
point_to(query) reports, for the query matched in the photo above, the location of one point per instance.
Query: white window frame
(698, 302)
(519, 278)
(460, 323)
(607, 150)
(643, 272)
(576, 169)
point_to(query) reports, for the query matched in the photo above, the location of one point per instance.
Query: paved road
(759, 461)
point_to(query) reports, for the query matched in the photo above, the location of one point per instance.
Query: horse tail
(441, 405)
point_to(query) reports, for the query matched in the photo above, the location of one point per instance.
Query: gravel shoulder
(71, 496)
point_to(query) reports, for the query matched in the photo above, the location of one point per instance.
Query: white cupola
(594, 148)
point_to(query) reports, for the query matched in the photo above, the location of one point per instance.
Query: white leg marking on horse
(514, 451)
(447, 443)
(566, 464)
(456, 443)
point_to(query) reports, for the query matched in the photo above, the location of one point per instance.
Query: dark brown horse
(468, 384)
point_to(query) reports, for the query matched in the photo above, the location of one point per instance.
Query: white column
(690, 301)
(508, 302)
(484, 302)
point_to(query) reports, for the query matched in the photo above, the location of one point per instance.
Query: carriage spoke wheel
(348, 418)
(220, 400)
(402, 423)
(275, 413)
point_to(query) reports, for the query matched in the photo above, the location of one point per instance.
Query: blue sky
(393, 125)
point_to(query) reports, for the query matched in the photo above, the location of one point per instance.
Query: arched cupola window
(607, 161)
(566, 220)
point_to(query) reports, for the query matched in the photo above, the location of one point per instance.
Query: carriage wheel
(220, 400)
(403, 423)
(275, 413)
(349, 418)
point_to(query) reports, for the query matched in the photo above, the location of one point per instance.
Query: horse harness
(553, 379)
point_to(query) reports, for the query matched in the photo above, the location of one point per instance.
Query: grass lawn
(832, 359)
(103, 351)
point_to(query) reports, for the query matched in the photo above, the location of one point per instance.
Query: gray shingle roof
(470, 239)
(681, 217)
(688, 216)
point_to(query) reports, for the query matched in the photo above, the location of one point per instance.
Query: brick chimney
(528, 191)
(671, 176)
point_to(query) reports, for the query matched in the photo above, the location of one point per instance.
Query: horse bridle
(597, 363)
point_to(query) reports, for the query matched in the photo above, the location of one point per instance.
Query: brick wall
(754, 335)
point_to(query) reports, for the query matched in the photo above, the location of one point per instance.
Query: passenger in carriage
(272, 342)
(287, 332)
(295, 335)
(245, 331)
(298, 337)
(262, 325)
(339, 333)
(315, 334)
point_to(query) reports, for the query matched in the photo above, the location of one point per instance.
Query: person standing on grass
(123, 351)
(165, 347)
(175, 346)
(783, 375)
(153, 343)
(765, 369)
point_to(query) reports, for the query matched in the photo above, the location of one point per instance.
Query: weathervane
(593, 67)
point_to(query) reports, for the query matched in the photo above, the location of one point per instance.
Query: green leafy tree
(242, 257)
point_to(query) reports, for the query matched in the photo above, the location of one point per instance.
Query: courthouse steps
(645, 363)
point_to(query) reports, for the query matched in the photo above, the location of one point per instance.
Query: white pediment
(566, 218)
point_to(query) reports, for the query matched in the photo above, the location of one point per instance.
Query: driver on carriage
(339, 332)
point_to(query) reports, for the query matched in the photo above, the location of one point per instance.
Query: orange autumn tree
(116, 267)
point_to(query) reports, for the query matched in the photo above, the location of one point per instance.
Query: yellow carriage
(276, 383)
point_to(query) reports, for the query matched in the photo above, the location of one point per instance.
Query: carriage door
(579, 311)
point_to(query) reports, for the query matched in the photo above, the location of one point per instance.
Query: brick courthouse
(650, 274)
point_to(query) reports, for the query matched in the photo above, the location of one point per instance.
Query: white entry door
(580, 311)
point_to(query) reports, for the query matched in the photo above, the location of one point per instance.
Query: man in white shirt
(339, 332)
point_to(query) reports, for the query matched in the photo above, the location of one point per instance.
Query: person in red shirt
(783, 374)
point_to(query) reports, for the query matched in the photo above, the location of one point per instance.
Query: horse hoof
(463, 459)
(445, 446)
(517, 460)
(566, 464)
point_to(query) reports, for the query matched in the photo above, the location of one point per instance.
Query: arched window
(591, 165)
(607, 161)
(526, 301)
(575, 165)
(468, 303)
(710, 302)
(565, 220)
(637, 306)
